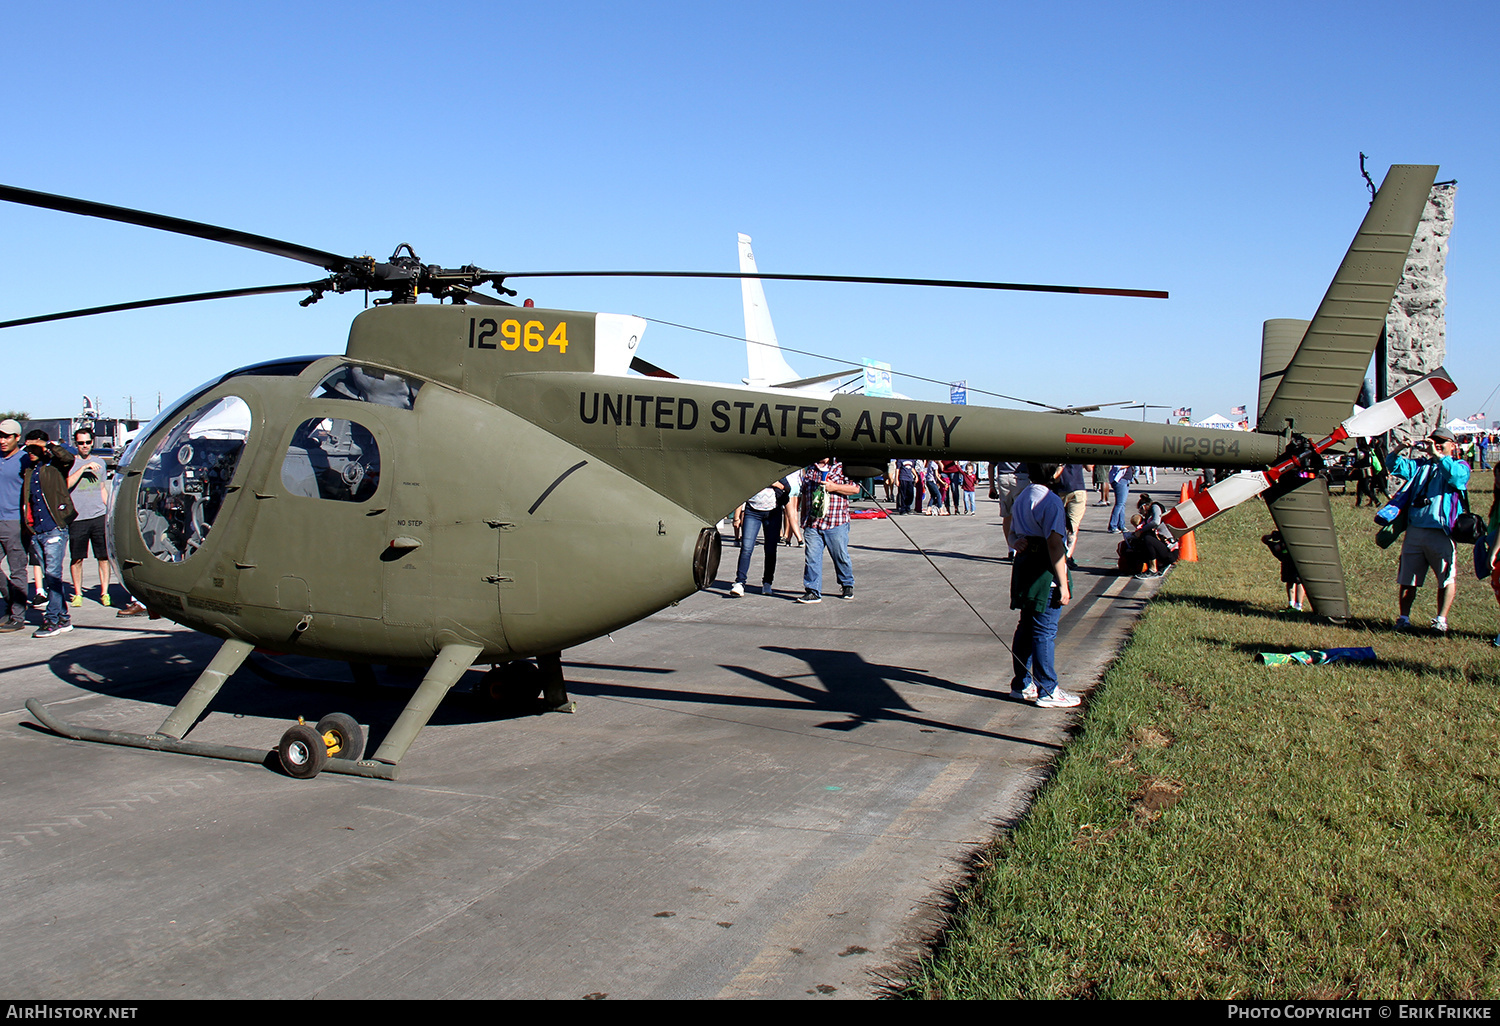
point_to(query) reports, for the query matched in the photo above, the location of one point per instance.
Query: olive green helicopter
(317, 506)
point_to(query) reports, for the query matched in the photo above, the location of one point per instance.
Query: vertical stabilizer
(762, 352)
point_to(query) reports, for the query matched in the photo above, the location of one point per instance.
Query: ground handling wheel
(343, 738)
(302, 751)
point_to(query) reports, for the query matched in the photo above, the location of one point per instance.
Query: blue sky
(1206, 151)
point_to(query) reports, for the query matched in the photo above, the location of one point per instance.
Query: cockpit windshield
(187, 478)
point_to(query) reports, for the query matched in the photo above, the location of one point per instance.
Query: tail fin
(1322, 380)
(762, 352)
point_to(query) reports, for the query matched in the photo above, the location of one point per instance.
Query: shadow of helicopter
(847, 686)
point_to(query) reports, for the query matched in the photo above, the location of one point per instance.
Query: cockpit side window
(368, 385)
(332, 459)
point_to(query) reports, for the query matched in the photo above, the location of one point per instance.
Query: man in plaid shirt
(829, 530)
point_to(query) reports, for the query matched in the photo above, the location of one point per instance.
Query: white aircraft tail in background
(767, 364)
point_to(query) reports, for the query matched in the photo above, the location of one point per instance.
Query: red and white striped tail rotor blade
(1208, 504)
(1401, 407)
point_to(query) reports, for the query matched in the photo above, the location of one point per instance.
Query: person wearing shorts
(88, 482)
(1435, 479)
(1073, 487)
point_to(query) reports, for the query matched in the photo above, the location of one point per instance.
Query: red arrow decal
(1123, 441)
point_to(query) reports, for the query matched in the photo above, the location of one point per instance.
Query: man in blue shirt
(13, 615)
(1434, 482)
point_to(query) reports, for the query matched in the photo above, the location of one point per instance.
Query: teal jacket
(1433, 490)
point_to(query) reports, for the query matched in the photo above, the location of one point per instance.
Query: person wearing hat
(13, 615)
(1435, 480)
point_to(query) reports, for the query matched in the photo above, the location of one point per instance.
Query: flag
(1238, 411)
(1183, 411)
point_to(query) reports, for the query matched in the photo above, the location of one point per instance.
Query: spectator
(1434, 481)
(1296, 594)
(48, 510)
(1039, 588)
(89, 483)
(825, 501)
(1119, 479)
(13, 617)
(762, 512)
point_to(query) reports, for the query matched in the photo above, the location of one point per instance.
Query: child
(1296, 595)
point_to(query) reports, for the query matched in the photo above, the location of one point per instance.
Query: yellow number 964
(514, 334)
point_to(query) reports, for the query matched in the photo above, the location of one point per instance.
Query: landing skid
(205, 749)
(336, 744)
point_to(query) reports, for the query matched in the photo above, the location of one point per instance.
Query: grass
(1223, 829)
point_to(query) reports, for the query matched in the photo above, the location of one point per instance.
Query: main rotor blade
(167, 301)
(69, 205)
(858, 279)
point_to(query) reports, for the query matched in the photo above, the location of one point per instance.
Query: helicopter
(320, 505)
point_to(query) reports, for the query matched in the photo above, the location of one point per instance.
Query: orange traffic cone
(1187, 545)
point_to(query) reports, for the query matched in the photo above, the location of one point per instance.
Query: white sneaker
(1059, 699)
(737, 590)
(1026, 694)
(1440, 624)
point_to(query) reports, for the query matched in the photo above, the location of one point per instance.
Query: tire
(343, 738)
(302, 752)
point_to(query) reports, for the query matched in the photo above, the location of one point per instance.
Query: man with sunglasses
(89, 483)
